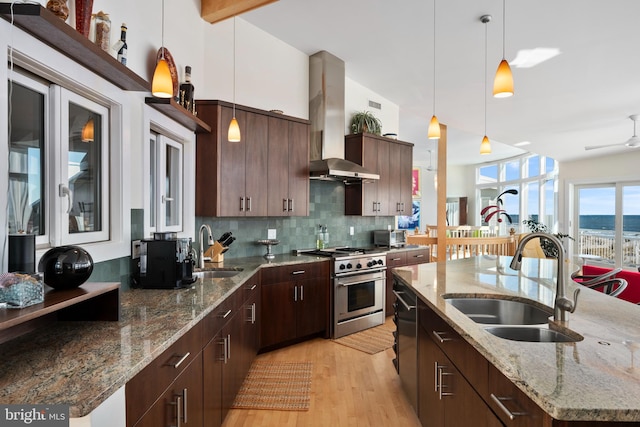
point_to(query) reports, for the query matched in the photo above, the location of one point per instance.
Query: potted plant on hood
(365, 122)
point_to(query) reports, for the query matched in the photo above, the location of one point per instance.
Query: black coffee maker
(165, 264)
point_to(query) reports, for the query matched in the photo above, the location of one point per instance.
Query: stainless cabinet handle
(184, 405)
(253, 313)
(248, 204)
(379, 207)
(178, 405)
(499, 399)
(228, 347)
(436, 376)
(301, 292)
(407, 306)
(223, 343)
(419, 256)
(295, 294)
(439, 336)
(395, 259)
(290, 205)
(241, 204)
(374, 206)
(253, 287)
(284, 205)
(179, 362)
(298, 272)
(442, 373)
(224, 316)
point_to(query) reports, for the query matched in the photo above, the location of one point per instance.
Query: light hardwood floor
(349, 388)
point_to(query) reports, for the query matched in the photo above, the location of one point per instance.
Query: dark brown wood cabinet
(288, 170)
(400, 258)
(265, 174)
(295, 303)
(393, 161)
(446, 398)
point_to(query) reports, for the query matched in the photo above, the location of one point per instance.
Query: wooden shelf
(91, 301)
(177, 112)
(48, 28)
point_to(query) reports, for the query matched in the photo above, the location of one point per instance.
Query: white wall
(357, 97)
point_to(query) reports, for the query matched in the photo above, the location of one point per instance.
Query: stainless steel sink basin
(495, 311)
(217, 273)
(530, 334)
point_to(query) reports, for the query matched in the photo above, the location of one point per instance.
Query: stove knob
(342, 267)
(349, 266)
(370, 264)
(380, 262)
(359, 265)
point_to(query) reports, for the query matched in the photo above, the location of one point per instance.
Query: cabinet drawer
(396, 259)
(220, 316)
(469, 362)
(511, 404)
(250, 288)
(419, 256)
(143, 389)
(295, 272)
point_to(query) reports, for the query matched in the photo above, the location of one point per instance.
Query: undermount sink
(217, 273)
(494, 311)
(531, 334)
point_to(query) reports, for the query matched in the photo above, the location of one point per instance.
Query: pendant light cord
(485, 78)
(162, 36)
(234, 66)
(434, 57)
(503, 26)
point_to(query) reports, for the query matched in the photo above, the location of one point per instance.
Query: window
(58, 169)
(608, 218)
(537, 191)
(165, 183)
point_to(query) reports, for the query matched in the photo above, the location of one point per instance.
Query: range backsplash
(326, 207)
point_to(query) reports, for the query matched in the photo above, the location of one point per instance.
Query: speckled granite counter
(591, 380)
(83, 363)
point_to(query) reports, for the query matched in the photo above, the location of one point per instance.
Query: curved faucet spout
(204, 227)
(562, 303)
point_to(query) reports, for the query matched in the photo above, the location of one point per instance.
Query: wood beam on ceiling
(218, 10)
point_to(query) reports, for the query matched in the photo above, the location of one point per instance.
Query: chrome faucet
(202, 249)
(562, 303)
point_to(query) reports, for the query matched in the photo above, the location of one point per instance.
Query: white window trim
(157, 122)
(64, 71)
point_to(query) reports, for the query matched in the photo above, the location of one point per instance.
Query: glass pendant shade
(87, 131)
(503, 82)
(162, 84)
(485, 146)
(234, 131)
(434, 128)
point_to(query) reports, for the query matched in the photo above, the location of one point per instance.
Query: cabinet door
(395, 197)
(370, 201)
(405, 173)
(278, 170)
(256, 155)
(213, 359)
(384, 183)
(311, 307)
(430, 408)
(181, 404)
(278, 323)
(299, 168)
(231, 166)
(232, 366)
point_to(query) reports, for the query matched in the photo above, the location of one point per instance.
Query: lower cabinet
(181, 403)
(194, 381)
(294, 302)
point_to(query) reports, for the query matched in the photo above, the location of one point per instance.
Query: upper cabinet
(265, 174)
(393, 161)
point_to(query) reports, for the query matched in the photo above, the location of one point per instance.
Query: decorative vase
(83, 16)
(59, 8)
(66, 267)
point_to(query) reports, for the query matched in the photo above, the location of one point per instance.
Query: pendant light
(485, 146)
(434, 125)
(503, 82)
(234, 128)
(162, 83)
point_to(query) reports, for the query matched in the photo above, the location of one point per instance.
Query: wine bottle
(122, 52)
(187, 91)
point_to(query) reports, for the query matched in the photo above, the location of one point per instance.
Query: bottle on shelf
(187, 91)
(122, 51)
(319, 238)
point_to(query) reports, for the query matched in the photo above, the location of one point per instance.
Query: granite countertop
(594, 379)
(83, 363)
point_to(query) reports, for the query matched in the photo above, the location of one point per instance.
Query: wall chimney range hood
(326, 113)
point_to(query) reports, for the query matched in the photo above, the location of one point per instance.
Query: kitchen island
(593, 379)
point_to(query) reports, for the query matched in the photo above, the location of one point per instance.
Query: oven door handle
(407, 306)
(357, 280)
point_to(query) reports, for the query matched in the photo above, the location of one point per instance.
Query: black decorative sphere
(66, 267)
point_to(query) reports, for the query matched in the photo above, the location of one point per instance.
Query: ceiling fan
(633, 142)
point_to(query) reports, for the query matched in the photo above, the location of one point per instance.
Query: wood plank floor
(349, 388)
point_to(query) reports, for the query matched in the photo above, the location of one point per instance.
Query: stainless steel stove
(358, 287)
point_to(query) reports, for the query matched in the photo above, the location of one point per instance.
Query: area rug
(371, 341)
(283, 386)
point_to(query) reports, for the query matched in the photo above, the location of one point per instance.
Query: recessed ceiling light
(527, 58)
(521, 144)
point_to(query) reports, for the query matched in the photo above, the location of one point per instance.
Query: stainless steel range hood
(326, 113)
